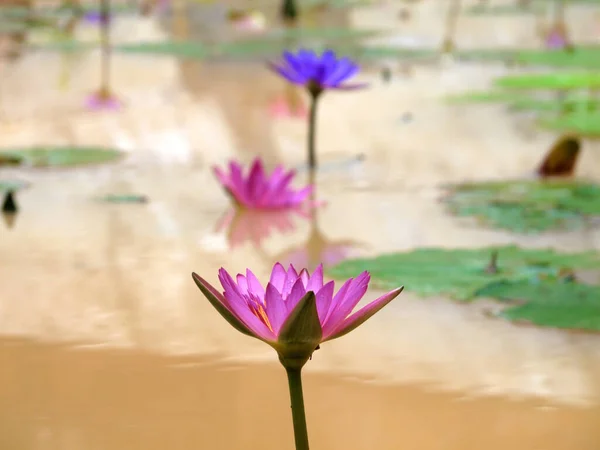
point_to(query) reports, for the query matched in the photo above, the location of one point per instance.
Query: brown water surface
(58, 397)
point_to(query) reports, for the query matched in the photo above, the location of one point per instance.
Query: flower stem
(312, 125)
(105, 46)
(298, 415)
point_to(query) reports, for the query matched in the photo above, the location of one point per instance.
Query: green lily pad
(62, 156)
(550, 303)
(461, 273)
(516, 102)
(580, 57)
(531, 281)
(12, 185)
(182, 49)
(124, 198)
(583, 123)
(554, 81)
(485, 97)
(527, 206)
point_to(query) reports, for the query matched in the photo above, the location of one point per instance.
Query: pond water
(107, 343)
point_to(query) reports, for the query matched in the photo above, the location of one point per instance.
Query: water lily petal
(298, 291)
(290, 278)
(278, 277)
(338, 298)
(355, 293)
(362, 315)
(304, 277)
(220, 304)
(242, 284)
(324, 298)
(254, 285)
(239, 306)
(315, 283)
(288, 74)
(276, 308)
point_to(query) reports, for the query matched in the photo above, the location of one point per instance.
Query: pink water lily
(295, 312)
(260, 191)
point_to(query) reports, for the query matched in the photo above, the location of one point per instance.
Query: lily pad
(555, 81)
(517, 102)
(124, 198)
(580, 57)
(584, 123)
(531, 281)
(62, 156)
(12, 185)
(527, 206)
(550, 303)
(182, 49)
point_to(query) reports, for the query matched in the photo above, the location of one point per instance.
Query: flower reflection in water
(289, 105)
(318, 249)
(254, 226)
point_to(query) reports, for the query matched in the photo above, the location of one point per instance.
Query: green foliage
(582, 122)
(124, 198)
(527, 206)
(552, 80)
(532, 282)
(12, 185)
(48, 156)
(181, 49)
(581, 57)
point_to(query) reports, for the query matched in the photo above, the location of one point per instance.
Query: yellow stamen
(259, 311)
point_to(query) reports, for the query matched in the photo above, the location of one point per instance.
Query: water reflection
(318, 249)
(246, 225)
(9, 209)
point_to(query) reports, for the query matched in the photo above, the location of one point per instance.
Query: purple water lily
(94, 17)
(317, 72)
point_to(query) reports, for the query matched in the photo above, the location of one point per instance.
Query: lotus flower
(295, 312)
(94, 18)
(103, 100)
(260, 191)
(556, 40)
(317, 72)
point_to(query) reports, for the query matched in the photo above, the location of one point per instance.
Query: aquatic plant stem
(451, 21)
(105, 47)
(298, 415)
(312, 125)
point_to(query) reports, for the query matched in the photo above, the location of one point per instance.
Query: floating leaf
(46, 156)
(125, 198)
(583, 123)
(527, 206)
(527, 276)
(182, 49)
(550, 303)
(554, 80)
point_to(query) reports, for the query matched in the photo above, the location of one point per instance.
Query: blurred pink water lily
(296, 312)
(243, 225)
(258, 190)
(103, 100)
(280, 108)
